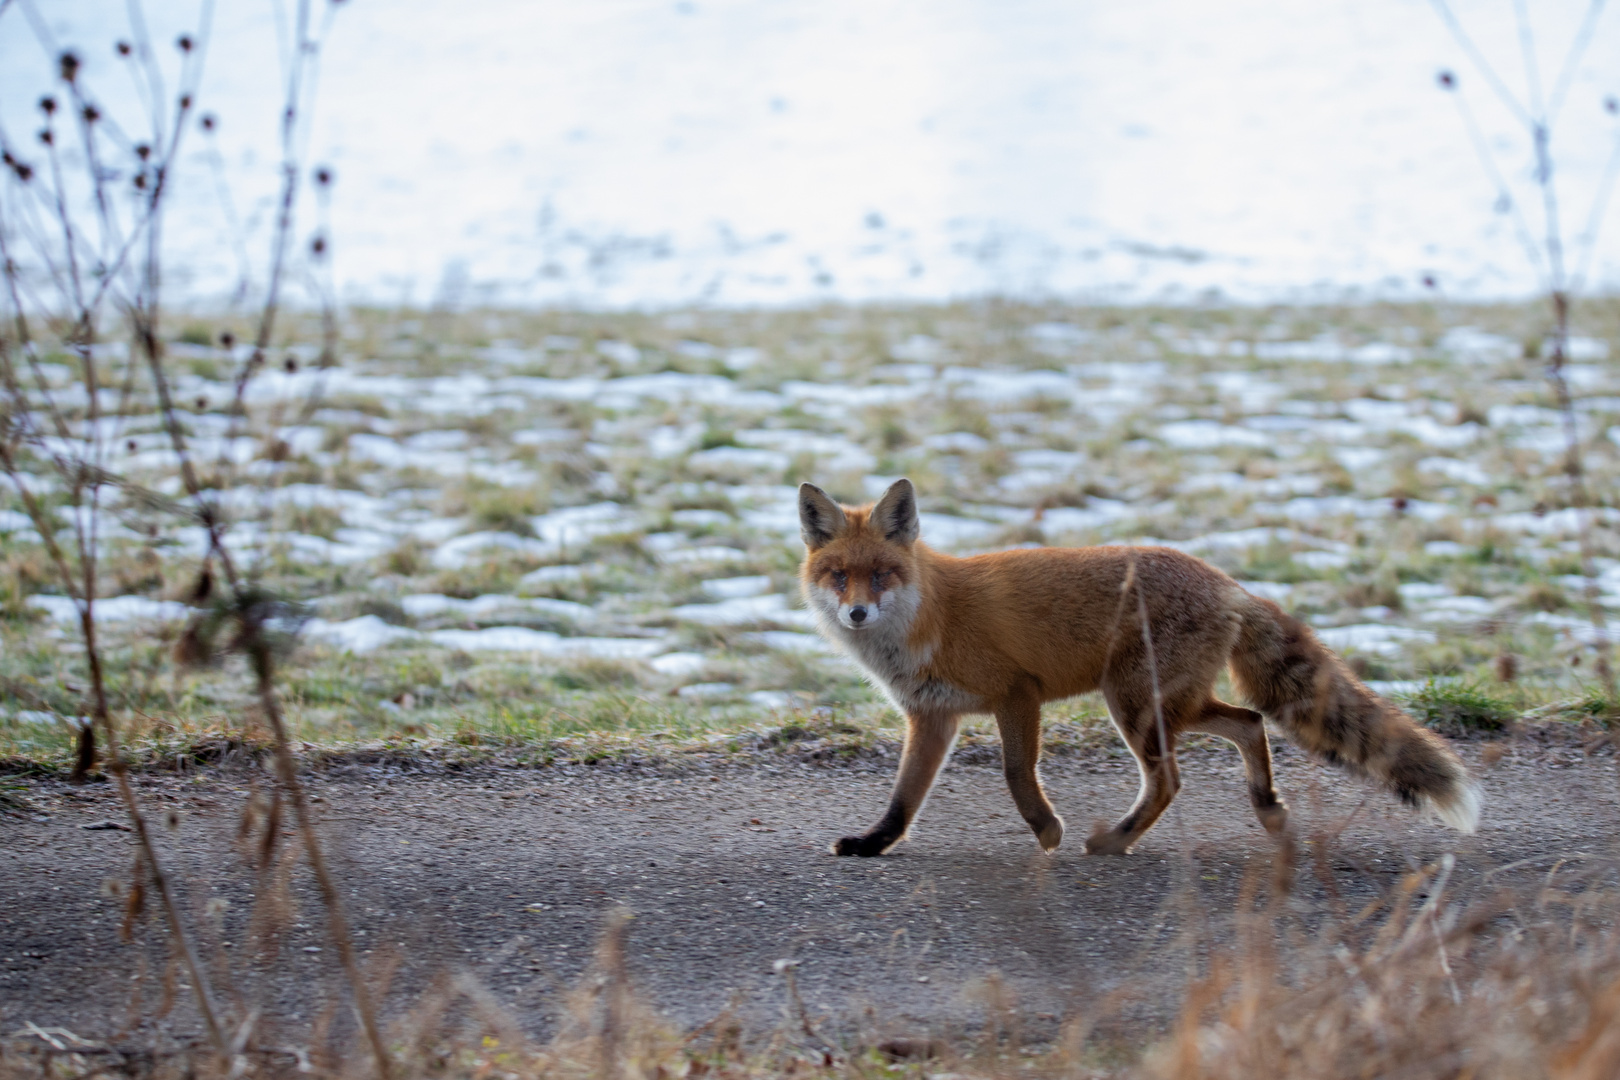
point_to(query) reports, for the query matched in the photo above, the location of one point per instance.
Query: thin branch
(1166, 751)
(25, 342)
(148, 63)
(1532, 70)
(102, 716)
(1541, 136)
(337, 921)
(227, 205)
(70, 243)
(1491, 78)
(1550, 250)
(1572, 60)
(1586, 244)
(1580, 500)
(249, 610)
(1504, 194)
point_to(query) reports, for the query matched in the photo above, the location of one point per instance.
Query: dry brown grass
(1518, 986)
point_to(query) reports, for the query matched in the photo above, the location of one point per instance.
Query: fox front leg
(928, 742)
(1019, 719)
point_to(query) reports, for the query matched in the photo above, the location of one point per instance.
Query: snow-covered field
(577, 522)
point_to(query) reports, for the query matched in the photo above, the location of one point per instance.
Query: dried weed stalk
(65, 279)
(1537, 114)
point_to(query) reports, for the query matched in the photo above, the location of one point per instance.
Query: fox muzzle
(856, 616)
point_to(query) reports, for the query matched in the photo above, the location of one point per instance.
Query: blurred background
(710, 151)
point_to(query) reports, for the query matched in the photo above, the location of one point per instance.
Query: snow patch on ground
(744, 612)
(112, 609)
(1375, 638)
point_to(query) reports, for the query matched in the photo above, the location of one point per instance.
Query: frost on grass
(600, 508)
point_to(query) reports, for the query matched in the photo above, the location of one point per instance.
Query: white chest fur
(882, 649)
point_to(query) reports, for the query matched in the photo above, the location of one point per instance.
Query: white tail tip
(1461, 810)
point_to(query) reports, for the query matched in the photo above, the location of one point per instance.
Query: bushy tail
(1291, 677)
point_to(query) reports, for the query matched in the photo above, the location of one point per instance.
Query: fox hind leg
(1245, 728)
(1161, 779)
(928, 742)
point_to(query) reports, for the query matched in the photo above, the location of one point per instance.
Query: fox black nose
(857, 614)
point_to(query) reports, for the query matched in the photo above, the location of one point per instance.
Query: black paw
(864, 846)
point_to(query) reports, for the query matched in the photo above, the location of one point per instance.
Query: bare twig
(247, 606)
(1491, 77)
(1547, 253)
(796, 1010)
(103, 719)
(85, 276)
(337, 921)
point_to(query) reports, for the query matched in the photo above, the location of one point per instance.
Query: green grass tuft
(1458, 706)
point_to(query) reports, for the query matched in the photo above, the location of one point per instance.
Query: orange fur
(1004, 633)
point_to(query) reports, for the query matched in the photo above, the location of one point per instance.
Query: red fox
(1004, 633)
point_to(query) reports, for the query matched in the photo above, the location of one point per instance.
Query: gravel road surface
(509, 873)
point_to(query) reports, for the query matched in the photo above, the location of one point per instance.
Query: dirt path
(510, 872)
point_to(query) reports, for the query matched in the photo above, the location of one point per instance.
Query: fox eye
(840, 580)
(878, 578)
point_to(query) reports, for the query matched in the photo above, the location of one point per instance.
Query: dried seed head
(323, 175)
(208, 121)
(140, 181)
(143, 151)
(185, 101)
(135, 906)
(290, 363)
(227, 339)
(123, 48)
(1611, 105)
(47, 105)
(202, 401)
(46, 137)
(1507, 667)
(317, 246)
(203, 587)
(183, 43)
(1447, 80)
(130, 445)
(1429, 282)
(91, 114)
(68, 64)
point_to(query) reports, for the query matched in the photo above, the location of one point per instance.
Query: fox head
(860, 569)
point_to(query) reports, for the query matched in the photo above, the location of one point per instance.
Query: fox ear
(820, 519)
(895, 515)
